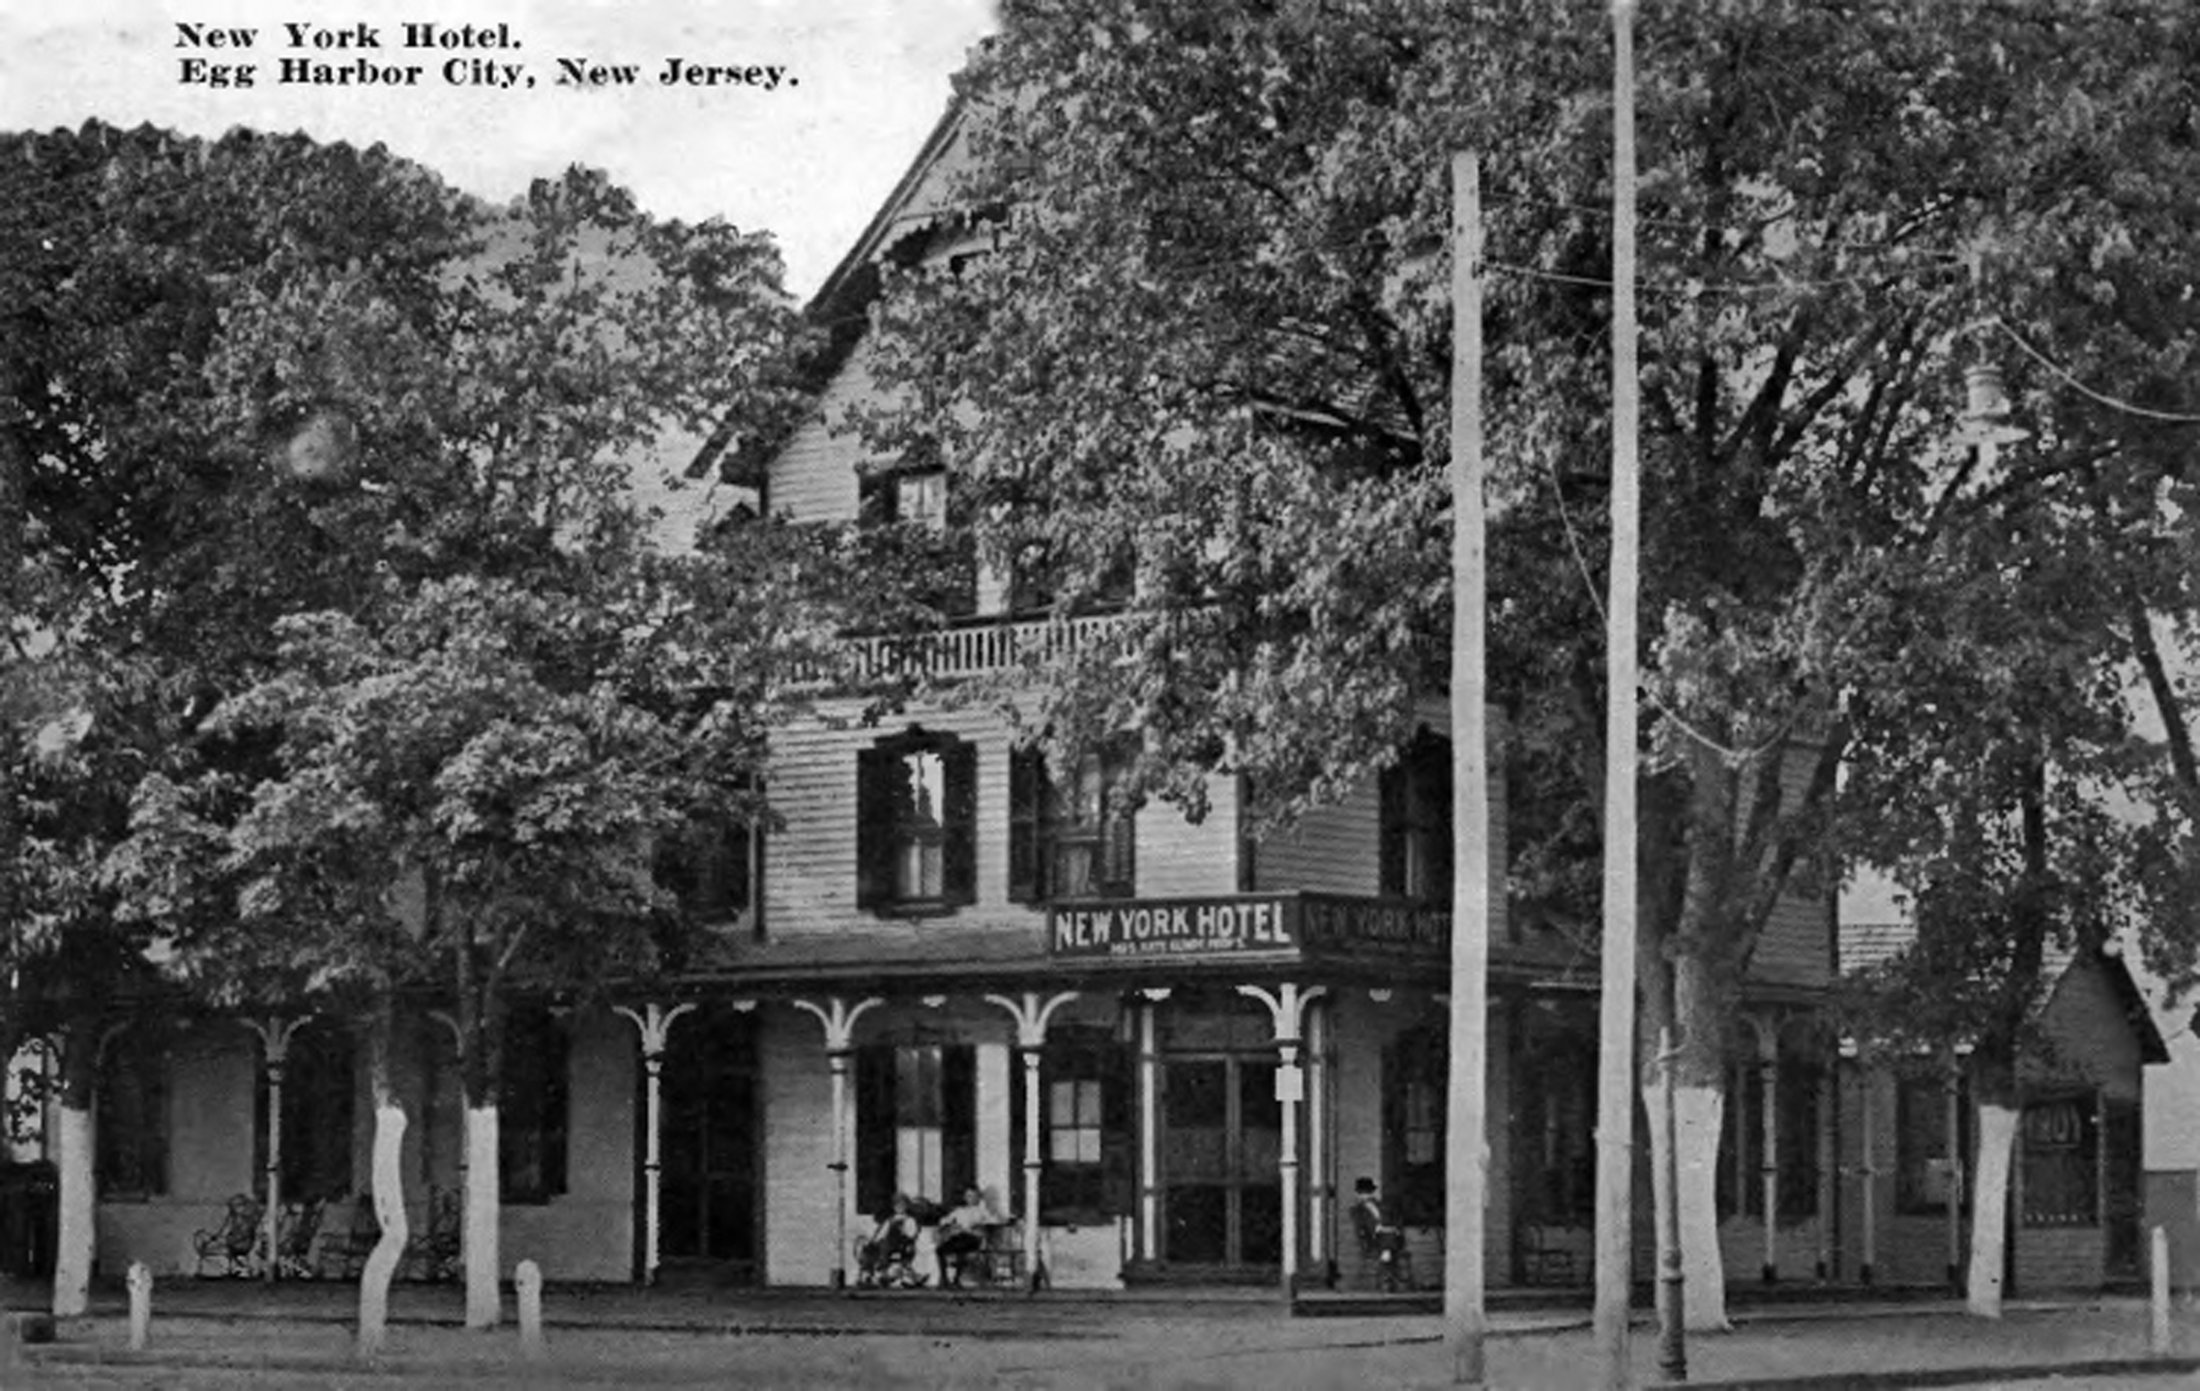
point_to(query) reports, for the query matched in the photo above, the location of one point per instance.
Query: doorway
(1221, 1140)
(711, 1180)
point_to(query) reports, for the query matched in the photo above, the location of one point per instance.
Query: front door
(710, 1179)
(1221, 1138)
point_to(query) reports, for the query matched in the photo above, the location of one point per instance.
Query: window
(1085, 1143)
(916, 824)
(531, 1107)
(1071, 836)
(318, 1087)
(1740, 1180)
(2061, 1158)
(1414, 1081)
(1926, 1174)
(1416, 825)
(916, 496)
(1554, 1110)
(707, 868)
(913, 499)
(916, 1128)
(131, 1148)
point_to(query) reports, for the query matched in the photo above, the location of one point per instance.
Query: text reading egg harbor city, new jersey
(352, 55)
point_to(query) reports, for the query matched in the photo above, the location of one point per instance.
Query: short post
(2158, 1339)
(527, 1281)
(140, 1281)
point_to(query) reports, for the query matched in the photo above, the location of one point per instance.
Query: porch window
(916, 1129)
(532, 1106)
(318, 1085)
(1085, 1144)
(2061, 1157)
(1416, 822)
(1414, 1080)
(131, 1117)
(1555, 1117)
(1927, 1175)
(916, 824)
(1071, 835)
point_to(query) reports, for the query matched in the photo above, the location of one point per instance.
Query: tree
(1210, 350)
(142, 561)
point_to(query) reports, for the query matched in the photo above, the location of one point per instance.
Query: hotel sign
(1289, 927)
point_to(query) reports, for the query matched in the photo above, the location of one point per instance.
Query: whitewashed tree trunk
(75, 1240)
(389, 1211)
(1997, 1135)
(1697, 1112)
(483, 1260)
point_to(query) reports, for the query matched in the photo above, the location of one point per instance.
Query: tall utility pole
(1616, 1012)
(1466, 1167)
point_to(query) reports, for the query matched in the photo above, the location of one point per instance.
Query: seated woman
(962, 1236)
(887, 1258)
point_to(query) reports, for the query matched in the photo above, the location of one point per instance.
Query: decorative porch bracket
(653, 1022)
(1287, 1009)
(1031, 1014)
(275, 1034)
(839, 1018)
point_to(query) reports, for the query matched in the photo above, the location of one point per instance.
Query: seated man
(1384, 1241)
(962, 1235)
(886, 1257)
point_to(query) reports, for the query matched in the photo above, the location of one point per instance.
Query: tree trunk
(484, 1305)
(388, 1186)
(1698, 1110)
(1997, 1137)
(75, 1241)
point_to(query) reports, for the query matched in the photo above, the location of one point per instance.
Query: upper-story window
(1416, 827)
(917, 496)
(1071, 833)
(916, 823)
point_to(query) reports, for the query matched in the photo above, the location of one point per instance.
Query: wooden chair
(433, 1255)
(295, 1231)
(232, 1247)
(344, 1254)
(1001, 1262)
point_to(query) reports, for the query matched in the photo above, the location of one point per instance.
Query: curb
(1948, 1376)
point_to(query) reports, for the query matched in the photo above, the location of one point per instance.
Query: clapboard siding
(813, 477)
(1332, 849)
(810, 879)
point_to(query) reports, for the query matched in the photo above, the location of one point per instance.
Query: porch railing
(978, 649)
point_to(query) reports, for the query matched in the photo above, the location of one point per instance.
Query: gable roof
(1864, 946)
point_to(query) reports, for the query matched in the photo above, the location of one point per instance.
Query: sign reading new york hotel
(1281, 927)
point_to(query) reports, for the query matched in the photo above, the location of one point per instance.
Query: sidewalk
(226, 1333)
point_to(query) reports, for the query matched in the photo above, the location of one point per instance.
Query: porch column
(1287, 1007)
(1768, 1072)
(275, 1033)
(1030, 1013)
(1149, 1120)
(1829, 1155)
(1319, 1179)
(1951, 1089)
(839, 1018)
(654, 1023)
(1867, 1137)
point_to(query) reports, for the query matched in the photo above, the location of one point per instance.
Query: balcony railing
(978, 649)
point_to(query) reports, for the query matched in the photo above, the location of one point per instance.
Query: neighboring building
(1176, 1045)
(2077, 1199)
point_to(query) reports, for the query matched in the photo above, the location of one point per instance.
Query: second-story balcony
(977, 647)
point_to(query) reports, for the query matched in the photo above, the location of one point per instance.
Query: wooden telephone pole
(1466, 1167)
(1616, 1012)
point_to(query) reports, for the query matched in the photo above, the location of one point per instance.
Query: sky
(807, 153)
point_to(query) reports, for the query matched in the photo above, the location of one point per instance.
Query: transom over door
(1221, 1140)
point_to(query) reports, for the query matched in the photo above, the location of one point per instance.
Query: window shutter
(959, 765)
(1118, 1133)
(874, 1157)
(1391, 850)
(876, 769)
(1392, 1160)
(1436, 758)
(958, 1120)
(1026, 797)
(557, 1048)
